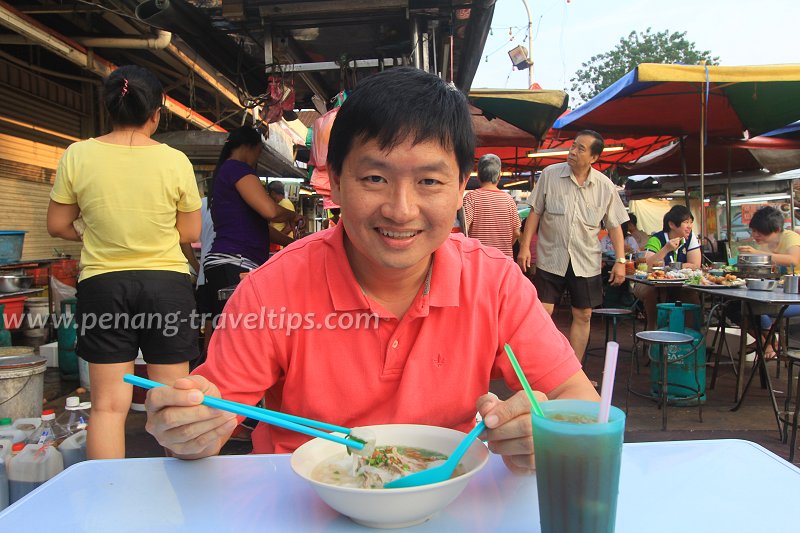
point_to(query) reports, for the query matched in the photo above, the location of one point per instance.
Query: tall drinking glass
(577, 466)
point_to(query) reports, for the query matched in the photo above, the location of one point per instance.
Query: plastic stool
(663, 339)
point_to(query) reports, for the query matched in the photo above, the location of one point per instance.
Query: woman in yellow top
(138, 201)
(783, 247)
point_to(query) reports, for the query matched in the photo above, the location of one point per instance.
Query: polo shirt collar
(346, 293)
(566, 172)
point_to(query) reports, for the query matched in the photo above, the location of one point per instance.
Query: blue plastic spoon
(442, 472)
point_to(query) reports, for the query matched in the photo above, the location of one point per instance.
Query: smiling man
(389, 317)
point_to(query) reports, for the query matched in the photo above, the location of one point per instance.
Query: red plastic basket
(66, 271)
(39, 275)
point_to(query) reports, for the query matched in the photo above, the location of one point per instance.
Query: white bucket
(21, 386)
(37, 311)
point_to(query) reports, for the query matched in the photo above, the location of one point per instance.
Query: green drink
(577, 466)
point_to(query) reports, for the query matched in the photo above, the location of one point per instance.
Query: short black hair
(767, 220)
(241, 136)
(276, 187)
(633, 219)
(677, 215)
(597, 144)
(131, 95)
(402, 103)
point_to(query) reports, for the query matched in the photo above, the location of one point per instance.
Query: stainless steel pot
(15, 283)
(791, 284)
(755, 271)
(760, 284)
(754, 259)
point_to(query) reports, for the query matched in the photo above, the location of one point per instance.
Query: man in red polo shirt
(389, 318)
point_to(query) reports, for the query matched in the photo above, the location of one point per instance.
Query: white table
(720, 485)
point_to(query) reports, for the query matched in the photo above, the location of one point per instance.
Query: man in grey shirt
(568, 204)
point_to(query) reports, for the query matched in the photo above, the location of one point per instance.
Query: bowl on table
(15, 282)
(392, 508)
(760, 284)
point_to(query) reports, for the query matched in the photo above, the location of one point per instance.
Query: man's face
(398, 206)
(275, 197)
(580, 153)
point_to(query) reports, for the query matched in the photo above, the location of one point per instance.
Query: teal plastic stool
(68, 339)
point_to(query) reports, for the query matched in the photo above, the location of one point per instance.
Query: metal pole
(685, 176)
(530, 44)
(729, 210)
(728, 207)
(791, 202)
(702, 162)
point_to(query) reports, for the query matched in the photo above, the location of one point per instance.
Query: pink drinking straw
(607, 388)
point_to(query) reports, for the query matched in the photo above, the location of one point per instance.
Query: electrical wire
(104, 8)
(505, 44)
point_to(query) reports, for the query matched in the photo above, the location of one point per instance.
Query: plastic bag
(60, 291)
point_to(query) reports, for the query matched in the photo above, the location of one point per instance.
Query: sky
(567, 33)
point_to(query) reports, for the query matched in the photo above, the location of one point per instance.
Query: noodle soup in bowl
(390, 508)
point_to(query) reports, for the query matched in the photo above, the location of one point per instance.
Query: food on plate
(727, 280)
(667, 275)
(386, 464)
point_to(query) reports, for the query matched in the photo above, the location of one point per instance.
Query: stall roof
(773, 154)
(219, 55)
(204, 147)
(524, 116)
(656, 99)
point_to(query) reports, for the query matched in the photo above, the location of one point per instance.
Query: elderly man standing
(568, 204)
(491, 214)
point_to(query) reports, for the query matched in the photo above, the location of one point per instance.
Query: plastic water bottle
(73, 449)
(8, 431)
(73, 419)
(31, 467)
(46, 433)
(3, 484)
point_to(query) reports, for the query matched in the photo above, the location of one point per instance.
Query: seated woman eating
(675, 243)
(783, 247)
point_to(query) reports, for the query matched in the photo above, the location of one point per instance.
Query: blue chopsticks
(275, 418)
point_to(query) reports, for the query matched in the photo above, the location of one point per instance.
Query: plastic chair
(664, 339)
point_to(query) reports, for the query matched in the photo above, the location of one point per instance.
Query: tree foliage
(643, 47)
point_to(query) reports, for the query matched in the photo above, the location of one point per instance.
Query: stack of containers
(5, 455)
(33, 450)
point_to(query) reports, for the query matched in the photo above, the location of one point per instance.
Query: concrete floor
(754, 421)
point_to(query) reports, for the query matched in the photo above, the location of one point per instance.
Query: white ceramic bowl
(393, 508)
